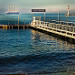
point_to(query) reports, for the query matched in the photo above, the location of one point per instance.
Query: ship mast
(13, 8)
(8, 8)
(17, 8)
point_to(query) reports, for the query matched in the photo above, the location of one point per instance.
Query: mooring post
(18, 21)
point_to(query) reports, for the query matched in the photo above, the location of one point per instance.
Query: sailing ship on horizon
(12, 10)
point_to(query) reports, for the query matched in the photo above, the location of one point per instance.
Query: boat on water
(12, 10)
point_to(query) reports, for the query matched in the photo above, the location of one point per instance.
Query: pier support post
(12, 27)
(18, 27)
(23, 27)
(9, 27)
(6, 27)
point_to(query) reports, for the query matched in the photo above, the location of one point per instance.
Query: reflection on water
(29, 51)
(51, 42)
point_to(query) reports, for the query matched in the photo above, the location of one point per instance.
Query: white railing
(62, 28)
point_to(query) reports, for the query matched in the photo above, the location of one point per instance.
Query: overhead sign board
(38, 10)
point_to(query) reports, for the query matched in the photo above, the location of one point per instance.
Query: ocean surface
(27, 18)
(27, 51)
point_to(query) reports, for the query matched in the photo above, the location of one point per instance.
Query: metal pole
(44, 16)
(32, 16)
(59, 16)
(18, 21)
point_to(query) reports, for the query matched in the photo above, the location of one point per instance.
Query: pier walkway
(65, 30)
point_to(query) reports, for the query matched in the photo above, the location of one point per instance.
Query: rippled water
(32, 52)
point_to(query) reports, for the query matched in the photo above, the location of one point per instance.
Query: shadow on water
(72, 41)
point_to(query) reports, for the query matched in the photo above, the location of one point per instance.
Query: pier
(60, 28)
(14, 26)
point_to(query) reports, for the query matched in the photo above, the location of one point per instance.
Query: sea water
(28, 51)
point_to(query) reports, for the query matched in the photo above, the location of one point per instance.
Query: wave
(35, 58)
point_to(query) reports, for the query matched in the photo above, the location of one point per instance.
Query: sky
(51, 6)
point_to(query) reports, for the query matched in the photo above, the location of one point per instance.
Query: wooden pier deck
(14, 26)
